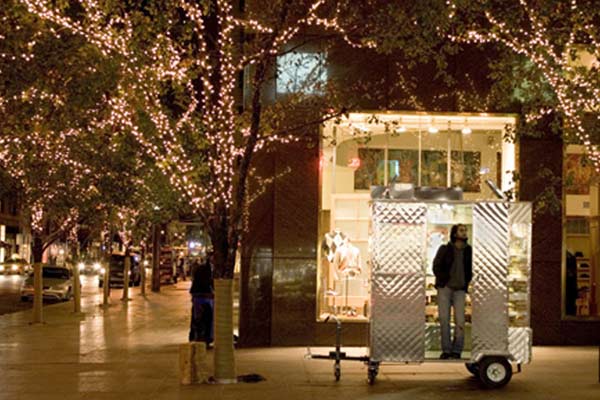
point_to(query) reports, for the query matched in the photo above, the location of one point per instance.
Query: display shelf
(584, 286)
(518, 278)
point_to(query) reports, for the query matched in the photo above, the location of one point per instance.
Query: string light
(531, 38)
(209, 115)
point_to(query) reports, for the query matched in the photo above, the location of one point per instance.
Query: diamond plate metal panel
(519, 344)
(398, 281)
(490, 270)
(520, 222)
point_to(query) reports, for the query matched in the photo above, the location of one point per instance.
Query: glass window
(434, 170)
(404, 165)
(466, 170)
(370, 168)
(303, 72)
(373, 150)
(581, 276)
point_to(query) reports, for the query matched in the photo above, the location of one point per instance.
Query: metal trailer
(500, 290)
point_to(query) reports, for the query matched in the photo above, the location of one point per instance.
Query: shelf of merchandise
(584, 286)
(518, 280)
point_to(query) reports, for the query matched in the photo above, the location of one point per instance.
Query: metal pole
(38, 289)
(76, 289)
(126, 269)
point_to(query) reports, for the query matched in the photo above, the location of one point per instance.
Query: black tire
(100, 284)
(494, 372)
(473, 368)
(24, 298)
(337, 372)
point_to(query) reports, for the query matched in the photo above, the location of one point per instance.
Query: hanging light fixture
(432, 128)
(401, 128)
(466, 130)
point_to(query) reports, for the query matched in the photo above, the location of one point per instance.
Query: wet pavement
(10, 292)
(129, 350)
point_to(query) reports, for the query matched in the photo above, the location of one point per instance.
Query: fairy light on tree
(178, 62)
(549, 35)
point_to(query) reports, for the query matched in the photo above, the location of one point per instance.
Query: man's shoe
(445, 356)
(455, 356)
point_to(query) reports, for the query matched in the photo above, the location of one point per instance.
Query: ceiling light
(466, 130)
(432, 128)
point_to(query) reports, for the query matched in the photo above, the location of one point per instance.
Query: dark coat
(442, 264)
(202, 280)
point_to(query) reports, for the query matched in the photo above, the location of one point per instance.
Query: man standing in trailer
(453, 269)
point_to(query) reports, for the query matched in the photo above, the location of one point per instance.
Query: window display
(581, 274)
(363, 151)
(466, 167)
(434, 170)
(370, 168)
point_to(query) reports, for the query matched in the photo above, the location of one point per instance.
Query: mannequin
(347, 263)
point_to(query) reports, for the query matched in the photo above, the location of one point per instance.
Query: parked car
(117, 268)
(15, 266)
(57, 283)
(89, 267)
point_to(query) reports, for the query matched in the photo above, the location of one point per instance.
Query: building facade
(290, 279)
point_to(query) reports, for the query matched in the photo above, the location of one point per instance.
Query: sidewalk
(130, 351)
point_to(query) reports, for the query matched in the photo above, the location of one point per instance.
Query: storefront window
(581, 275)
(404, 164)
(367, 153)
(370, 168)
(466, 168)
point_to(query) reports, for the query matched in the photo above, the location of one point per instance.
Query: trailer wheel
(473, 368)
(495, 372)
(337, 371)
(373, 371)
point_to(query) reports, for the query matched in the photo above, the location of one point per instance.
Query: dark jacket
(443, 263)
(202, 280)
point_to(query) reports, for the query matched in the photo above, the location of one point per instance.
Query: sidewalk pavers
(129, 350)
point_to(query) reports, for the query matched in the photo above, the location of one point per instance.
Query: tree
(178, 62)
(552, 37)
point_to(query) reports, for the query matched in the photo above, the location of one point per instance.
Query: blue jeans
(448, 298)
(201, 326)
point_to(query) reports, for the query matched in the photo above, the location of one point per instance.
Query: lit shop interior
(581, 233)
(405, 151)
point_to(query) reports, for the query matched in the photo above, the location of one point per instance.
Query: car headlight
(1, 268)
(14, 267)
(81, 266)
(97, 267)
(102, 270)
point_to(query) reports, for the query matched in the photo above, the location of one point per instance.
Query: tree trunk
(126, 270)
(74, 250)
(155, 257)
(38, 286)
(224, 361)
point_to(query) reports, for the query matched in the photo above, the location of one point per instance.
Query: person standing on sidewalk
(453, 269)
(202, 291)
